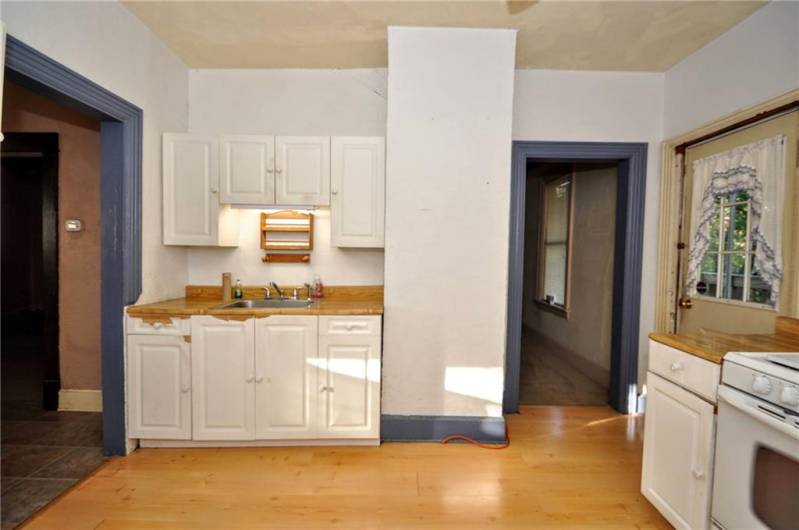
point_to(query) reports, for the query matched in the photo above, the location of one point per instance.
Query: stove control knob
(789, 395)
(761, 385)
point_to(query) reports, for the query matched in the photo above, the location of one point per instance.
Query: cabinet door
(192, 215)
(678, 454)
(357, 191)
(223, 378)
(349, 386)
(302, 170)
(159, 386)
(247, 169)
(285, 362)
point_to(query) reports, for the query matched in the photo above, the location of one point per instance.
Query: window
(555, 247)
(727, 271)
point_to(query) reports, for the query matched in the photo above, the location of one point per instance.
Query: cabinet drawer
(690, 372)
(158, 326)
(349, 325)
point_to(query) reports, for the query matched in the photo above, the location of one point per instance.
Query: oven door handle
(748, 406)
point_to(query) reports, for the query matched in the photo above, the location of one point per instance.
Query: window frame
(564, 310)
(747, 253)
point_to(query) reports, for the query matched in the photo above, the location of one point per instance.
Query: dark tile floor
(43, 453)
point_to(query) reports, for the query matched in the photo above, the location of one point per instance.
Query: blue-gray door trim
(120, 197)
(631, 194)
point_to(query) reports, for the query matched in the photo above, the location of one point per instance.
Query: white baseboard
(80, 400)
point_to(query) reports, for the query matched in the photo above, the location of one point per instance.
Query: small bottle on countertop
(318, 290)
(238, 292)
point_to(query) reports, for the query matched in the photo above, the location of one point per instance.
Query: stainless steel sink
(271, 304)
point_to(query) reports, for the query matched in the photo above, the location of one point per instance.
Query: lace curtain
(759, 170)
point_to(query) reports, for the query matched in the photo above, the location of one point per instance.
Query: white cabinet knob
(349, 327)
(675, 367)
(185, 389)
(259, 380)
(334, 192)
(698, 474)
(249, 379)
(158, 325)
(279, 170)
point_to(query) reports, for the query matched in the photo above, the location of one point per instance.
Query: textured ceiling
(634, 36)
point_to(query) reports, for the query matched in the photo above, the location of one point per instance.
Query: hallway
(549, 375)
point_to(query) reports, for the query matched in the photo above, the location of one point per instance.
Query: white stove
(773, 377)
(756, 477)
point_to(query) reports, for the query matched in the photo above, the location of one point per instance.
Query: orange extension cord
(478, 444)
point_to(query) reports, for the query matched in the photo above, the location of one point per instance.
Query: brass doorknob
(686, 303)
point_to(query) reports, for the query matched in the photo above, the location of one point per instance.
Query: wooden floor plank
(566, 467)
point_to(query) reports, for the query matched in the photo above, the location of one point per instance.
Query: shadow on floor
(548, 378)
(43, 453)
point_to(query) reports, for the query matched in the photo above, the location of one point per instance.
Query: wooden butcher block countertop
(713, 345)
(203, 300)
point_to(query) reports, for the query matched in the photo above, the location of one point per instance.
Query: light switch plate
(73, 225)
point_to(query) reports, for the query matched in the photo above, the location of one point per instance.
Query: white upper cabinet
(247, 170)
(159, 387)
(192, 213)
(285, 376)
(302, 170)
(357, 190)
(223, 379)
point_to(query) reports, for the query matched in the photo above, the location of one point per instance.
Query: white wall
(335, 266)
(106, 43)
(601, 107)
(291, 102)
(447, 205)
(755, 61)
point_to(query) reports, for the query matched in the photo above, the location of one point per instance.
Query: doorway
(30, 353)
(50, 303)
(630, 160)
(568, 283)
(121, 138)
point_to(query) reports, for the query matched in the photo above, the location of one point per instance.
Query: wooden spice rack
(287, 237)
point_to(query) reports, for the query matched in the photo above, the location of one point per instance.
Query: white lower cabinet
(678, 454)
(223, 378)
(349, 404)
(159, 387)
(286, 376)
(283, 377)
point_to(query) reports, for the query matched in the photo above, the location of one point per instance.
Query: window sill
(554, 309)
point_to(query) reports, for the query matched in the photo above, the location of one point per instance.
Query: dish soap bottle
(317, 287)
(237, 292)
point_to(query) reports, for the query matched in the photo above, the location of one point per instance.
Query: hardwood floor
(566, 467)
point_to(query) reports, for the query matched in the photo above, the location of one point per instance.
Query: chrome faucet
(277, 289)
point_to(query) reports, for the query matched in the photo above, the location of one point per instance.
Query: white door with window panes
(738, 230)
